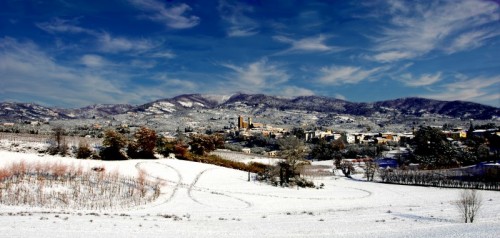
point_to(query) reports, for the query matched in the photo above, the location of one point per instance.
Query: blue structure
(387, 163)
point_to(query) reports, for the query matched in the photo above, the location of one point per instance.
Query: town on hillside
(247, 135)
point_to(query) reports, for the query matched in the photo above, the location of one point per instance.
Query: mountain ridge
(414, 106)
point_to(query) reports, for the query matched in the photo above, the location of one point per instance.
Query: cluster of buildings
(250, 128)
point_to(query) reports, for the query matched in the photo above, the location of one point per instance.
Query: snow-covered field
(245, 158)
(200, 200)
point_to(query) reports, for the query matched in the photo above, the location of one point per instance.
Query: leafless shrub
(58, 185)
(141, 182)
(469, 204)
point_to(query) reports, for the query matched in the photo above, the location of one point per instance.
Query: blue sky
(80, 52)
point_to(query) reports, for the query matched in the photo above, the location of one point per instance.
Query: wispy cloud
(478, 89)
(163, 54)
(104, 41)
(176, 17)
(338, 75)
(391, 56)
(311, 44)
(184, 84)
(293, 91)
(423, 80)
(143, 64)
(95, 61)
(259, 75)
(109, 43)
(30, 73)
(471, 40)
(58, 25)
(434, 25)
(234, 15)
(339, 96)
(167, 81)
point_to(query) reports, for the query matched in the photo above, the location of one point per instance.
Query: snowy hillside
(260, 104)
(200, 200)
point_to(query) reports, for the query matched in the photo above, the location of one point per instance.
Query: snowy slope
(200, 200)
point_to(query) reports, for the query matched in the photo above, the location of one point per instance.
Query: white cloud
(339, 96)
(165, 81)
(424, 80)
(258, 75)
(29, 73)
(143, 64)
(58, 25)
(433, 25)
(163, 54)
(93, 61)
(338, 75)
(185, 84)
(391, 56)
(174, 17)
(105, 42)
(108, 43)
(236, 31)
(478, 89)
(294, 91)
(313, 44)
(239, 24)
(471, 40)
(165, 86)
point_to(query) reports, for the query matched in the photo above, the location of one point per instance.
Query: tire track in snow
(178, 183)
(193, 184)
(190, 187)
(367, 194)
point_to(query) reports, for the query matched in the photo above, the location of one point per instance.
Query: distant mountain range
(10, 111)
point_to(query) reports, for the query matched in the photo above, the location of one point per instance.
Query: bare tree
(293, 152)
(347, 167)
(370, 169)
(469, 204)
(58, 135)
(58, 138)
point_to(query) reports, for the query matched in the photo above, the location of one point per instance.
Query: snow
(245, 158)
(218, 98)
(160, 107)
(190, 104)
(201, 200)
(186, 104)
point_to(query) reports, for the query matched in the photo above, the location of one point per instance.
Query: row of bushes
(443, 178)
(116, 145)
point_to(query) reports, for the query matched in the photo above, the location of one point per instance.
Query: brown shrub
(4, 174)
(83, 151)
(217, 160)
(59, 170)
